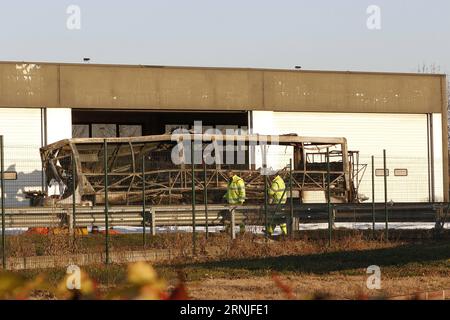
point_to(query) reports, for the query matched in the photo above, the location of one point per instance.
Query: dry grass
(243, 269)
(246, 246)
(37, 245)
(20, 246)
(60, 244)
(219, 244)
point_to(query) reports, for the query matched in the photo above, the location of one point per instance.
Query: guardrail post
(2, 201)
(153, 221)
(105, 163)
(233, 223)
(385, 196)
(334, 211)
(439, 224)
(144, 240)
(69, 217)
(330, 214)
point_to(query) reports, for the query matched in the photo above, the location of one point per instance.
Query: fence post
(2, 196)
(291, 201)
(194, 235)
(265, 203)
(385, 196)
(205, 195)
(373, 197)
(74, 205)
(105, 163)
(330, 214)
(143, 202)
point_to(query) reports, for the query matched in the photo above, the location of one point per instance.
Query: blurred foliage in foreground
(143, 283)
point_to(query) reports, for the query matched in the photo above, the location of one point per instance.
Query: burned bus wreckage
(165, 163)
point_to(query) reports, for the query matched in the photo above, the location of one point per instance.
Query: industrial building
(404, 114)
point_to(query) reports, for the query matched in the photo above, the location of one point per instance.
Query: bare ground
(333, 286)
(244, 268)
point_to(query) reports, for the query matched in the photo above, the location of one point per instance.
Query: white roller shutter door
(404, 136)
(21, 129)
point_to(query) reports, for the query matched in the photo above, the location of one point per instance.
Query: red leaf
(179, 293)
(285, 288)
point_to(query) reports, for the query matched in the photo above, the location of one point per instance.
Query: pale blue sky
(320, 34)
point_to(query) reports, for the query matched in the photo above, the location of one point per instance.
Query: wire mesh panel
(35, 225)
(83, 200)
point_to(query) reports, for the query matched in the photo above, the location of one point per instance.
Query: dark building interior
(108, 123)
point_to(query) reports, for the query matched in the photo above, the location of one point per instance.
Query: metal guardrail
(181, 215)
(129, 216)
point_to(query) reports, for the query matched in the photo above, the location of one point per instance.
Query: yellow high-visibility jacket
(235, 191)
(277, 189)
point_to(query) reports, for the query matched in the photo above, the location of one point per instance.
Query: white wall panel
(21, 129)
(404, 136)
(438, 162)
(59, 124)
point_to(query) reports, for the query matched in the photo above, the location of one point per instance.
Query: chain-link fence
(95, 206)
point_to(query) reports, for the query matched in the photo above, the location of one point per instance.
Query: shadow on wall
(14, 189)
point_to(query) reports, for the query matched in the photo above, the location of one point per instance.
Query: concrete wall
(143, 87)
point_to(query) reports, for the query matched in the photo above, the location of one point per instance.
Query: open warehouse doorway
(125, 123)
